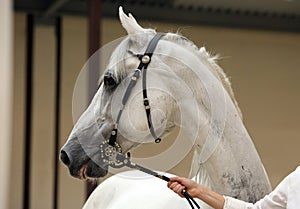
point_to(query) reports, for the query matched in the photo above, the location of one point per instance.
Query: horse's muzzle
(80, 165)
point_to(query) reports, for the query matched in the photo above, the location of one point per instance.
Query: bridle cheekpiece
(108, 153)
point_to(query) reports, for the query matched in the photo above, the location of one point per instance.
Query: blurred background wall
(263, 66)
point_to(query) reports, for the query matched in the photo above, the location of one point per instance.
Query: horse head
(183, 92)
(81, 151)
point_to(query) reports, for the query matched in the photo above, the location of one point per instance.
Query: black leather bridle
(111, 151)
(145, 60)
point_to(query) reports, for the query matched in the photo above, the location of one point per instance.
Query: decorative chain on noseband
(116, 159)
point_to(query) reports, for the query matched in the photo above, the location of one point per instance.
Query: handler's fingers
(172, 185)
(178, 189)
(176, 178)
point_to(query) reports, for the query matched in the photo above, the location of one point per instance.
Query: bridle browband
(110, 150)
(145, 60)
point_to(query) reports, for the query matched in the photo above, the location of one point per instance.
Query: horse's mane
(209, 60)
(206, 58)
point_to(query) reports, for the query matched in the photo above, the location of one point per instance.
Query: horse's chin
(82, 172)
(91, 170)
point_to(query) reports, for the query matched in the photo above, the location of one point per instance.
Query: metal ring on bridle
(146, 59)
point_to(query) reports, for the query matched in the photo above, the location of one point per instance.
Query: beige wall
(263, 67)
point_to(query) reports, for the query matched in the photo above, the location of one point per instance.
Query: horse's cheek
(137, 121)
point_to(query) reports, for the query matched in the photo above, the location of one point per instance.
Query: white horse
(186, 89)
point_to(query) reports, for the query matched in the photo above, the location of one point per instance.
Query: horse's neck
(233, 168)
(233, 131)
(210, 94)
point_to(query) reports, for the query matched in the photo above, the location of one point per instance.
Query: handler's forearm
(210, 197)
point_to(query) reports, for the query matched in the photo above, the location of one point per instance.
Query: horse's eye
(109, 81)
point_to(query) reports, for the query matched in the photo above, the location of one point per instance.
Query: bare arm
(215, 200)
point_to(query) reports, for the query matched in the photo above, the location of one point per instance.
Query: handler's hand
(178, 184)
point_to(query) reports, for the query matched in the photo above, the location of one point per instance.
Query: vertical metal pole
(28, 110)
(94, 15)
(57, 111)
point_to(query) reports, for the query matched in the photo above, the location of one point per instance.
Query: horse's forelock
(117, 66)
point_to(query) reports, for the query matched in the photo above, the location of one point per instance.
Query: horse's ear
(129, 23)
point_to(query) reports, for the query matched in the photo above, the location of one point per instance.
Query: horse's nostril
(64, 158)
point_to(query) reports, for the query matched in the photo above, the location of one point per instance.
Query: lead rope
(111, 155)
(125, 161)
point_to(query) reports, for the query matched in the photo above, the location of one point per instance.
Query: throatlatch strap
(147, 58)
